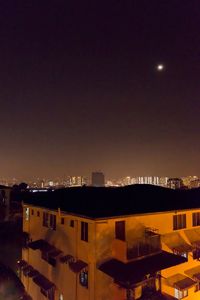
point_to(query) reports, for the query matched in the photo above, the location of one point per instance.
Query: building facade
(98, 179)
(70, 256)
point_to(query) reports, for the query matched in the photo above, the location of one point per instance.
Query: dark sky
(79, 89)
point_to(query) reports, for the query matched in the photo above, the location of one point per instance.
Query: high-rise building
(195, 183)
(148, 180)
(174, 183)
(98, 179)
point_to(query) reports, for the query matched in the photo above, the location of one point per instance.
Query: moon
(160, 67)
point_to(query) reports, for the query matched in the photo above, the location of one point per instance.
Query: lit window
(61, 297)
(83, 278)
(180, 294)
(27, 211)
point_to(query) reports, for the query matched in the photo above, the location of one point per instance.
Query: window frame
(179, 221)
(120, 230)
(84, 231)
(196, 219)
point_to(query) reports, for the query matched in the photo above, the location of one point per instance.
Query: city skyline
(111, 86)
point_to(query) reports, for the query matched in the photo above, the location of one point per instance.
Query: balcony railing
(149, 244)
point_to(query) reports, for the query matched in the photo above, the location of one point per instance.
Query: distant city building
(188, 179)
(195, 183)
(51, 183)
(175, 183)
(98, 179)
(127, 180)
(153, 180)
(163, 181)
(148, 180)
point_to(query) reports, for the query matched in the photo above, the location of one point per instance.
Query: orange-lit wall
(101, 246)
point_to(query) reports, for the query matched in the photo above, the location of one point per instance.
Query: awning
(33, 273)
(27, 269)
(43, 282)
(194, 273)
(42, 245)
(38, 244)
(67, 258)
(55, 253)
(193, 236)
(176, 243)
(135, 271)
(77, 266)
(196, 276)
(180, 282)
(22, 263)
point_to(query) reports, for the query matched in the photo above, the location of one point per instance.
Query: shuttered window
(196, 219)
(84, 231)
(179, 221)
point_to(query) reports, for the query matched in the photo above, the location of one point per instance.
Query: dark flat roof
(102, 202)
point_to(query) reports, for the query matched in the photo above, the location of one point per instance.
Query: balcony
(148, 244)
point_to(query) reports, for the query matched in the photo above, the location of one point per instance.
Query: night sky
(79, 88)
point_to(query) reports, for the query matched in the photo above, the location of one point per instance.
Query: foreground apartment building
(135, 242)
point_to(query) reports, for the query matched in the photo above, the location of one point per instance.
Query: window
(196, 219)
(38, 213)
(83, 278)
(120, 230)
(62, 221)
(48, 258)
(71, 223)
(84, 231)
(179, 221)
(27, 211)
(32, 212)
(180, 294)
(52, 224)
(45, 219)
(49, 220)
